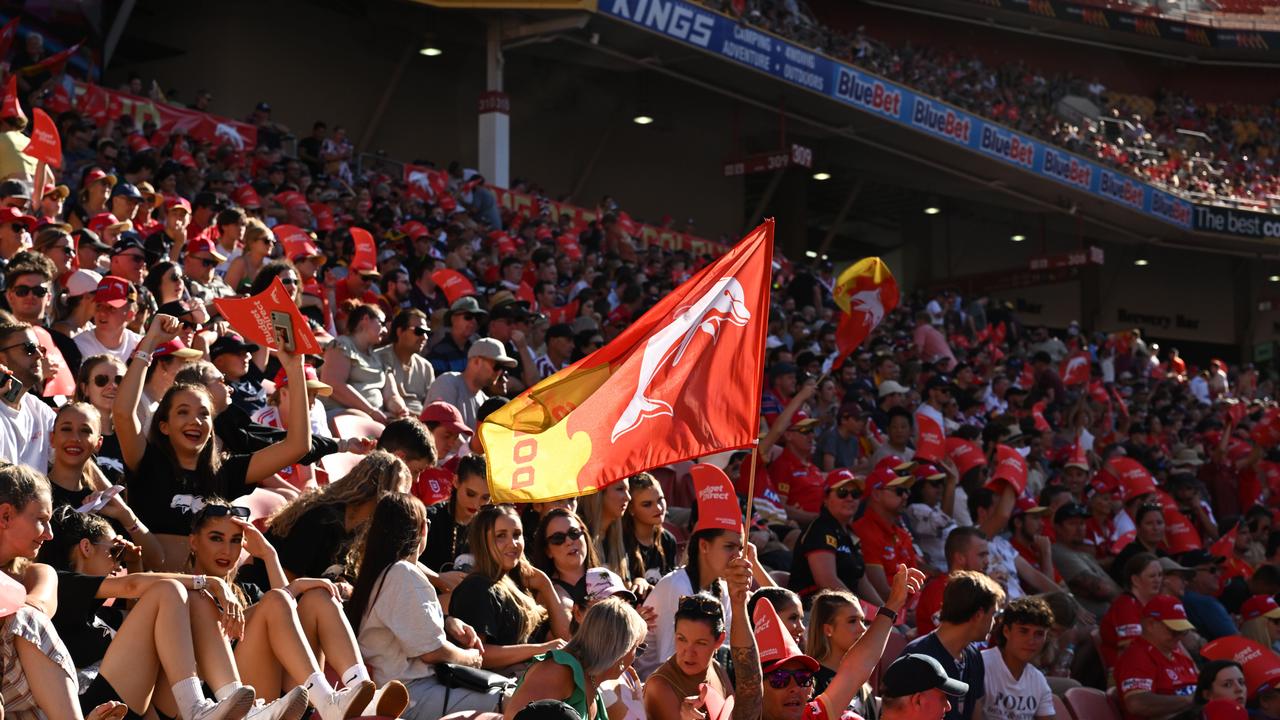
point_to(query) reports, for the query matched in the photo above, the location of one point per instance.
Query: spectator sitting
(1154, 675)
(402, 356)
(604, 513)
(1204, 610)
(786, 604)
(841, 446)
(235, 358)
(969, 605)
(564, 551)
(836, 622)
(462, 320)
(1015, 687)
(650, 547)
(116, 301)
(885, 542)
(966, 549)
(357, 375)
(1221, 680)
(486, 359)
(1075, 561)
(827, 554)
(25, 420)
(1260, 621)
(897, 435)
(1123, 621)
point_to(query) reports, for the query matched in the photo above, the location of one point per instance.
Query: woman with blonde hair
(605, 512)
(511, 604)
(1260, 621)
(611, 635)
(316, 534)
(258, 243)
(836, 623)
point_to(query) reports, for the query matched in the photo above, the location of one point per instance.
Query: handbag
(464, 677)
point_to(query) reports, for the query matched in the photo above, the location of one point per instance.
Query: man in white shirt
(25, 421)
(1016, 689)
(117, 302)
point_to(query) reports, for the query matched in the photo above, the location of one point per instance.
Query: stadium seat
(356, 426)
(1061, 709)
(892, 649)
(1090, 703)
(262, 504)
(337, 465)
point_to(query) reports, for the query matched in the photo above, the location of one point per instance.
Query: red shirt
(798, 481)
(930, 605)
(1143, 667)
(1033, 557)
(816, 709)
(1123, 621)
(884, 544)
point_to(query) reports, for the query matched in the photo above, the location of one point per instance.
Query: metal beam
(765, 199)
(591, 162)
(380, 109)
(852, 198)
(117, 29)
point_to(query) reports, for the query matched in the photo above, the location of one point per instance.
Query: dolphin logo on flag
(868, 303)
(723, 302)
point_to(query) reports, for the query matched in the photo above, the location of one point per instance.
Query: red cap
(447, 203)
(1026, 506)
(801, 421)
(1168, 609)
(839, 477)
(291, 199)
(200, 244)
(414, 229)
(97, 174)
(1260, 606)
(925, 471)
(138, 144)
(891, 471)
(1011, 467)
(115, 291)
(1079, 458)
(966, 454)
(775, 641)
(313, 381)
(1132, 478)
(177, 201)
(445, 414)
(246, 197)
(1222, 709)
(717, 503)
(177, 348)
(102, 220)
(14, 215)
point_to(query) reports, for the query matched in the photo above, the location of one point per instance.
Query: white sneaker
(290, 706)
(235, 707)
(346, 703)
(391, 700)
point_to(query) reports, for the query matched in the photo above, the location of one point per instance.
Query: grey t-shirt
(451, 388)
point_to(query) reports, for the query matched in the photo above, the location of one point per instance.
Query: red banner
(101, 105)
(252, 317)
(930, 438)
(453, 284)
(45, 144)
(425, 183)
(366, 250)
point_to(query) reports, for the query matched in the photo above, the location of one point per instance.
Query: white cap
(889, 387)
(82, 282)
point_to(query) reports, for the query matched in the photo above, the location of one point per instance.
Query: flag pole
(751, 493)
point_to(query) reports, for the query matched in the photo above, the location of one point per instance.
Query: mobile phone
(283, 325)
(12, 389)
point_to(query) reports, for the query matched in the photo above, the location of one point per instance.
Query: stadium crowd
(1215, 151)
(317, 533)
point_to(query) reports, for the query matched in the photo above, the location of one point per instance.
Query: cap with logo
(199, 244)
(491, 349)
(177, 348)
(1168, 610)
(966, 454)
(1078, 458)
(801, 422)
(313, 381)
(925, 471)
(777, 646)
(914, 673)
(892, 471)
(604, 583)
(178, 202)
(1260, 606)
(839, 478)
(230, 343)
(97, 174)
(1026, 506)
(115, 291)
(14, 215)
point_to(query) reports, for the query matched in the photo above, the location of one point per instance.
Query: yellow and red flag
(865, 292)
(682, 381)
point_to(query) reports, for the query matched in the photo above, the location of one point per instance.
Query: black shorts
(100, 691)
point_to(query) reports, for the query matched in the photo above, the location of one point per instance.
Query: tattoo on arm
(748, 691)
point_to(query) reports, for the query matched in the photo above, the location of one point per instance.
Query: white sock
(318, 686)
(355, 675)
(188, 694)
(225, 691)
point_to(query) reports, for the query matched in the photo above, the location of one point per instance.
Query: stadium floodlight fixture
(642, 120)
(430, 51)
(1274, 278)
(810, 254)
(820, 176)
(932, 210)
(1141, 262)
(1019, 237)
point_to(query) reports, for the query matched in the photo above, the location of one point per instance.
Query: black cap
(911, 674)
(548, 710)
(125, 189)
(563, 330)
(86, 237)
(1199, 558)
(230, 343)
(127, 241)
(938, 381)
(14, 188)
(175, 308)
(1070, 510)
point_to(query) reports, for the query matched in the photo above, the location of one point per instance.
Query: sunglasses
(175, 277)
(102, 380)
(641, 648)
(134, 258)
(561, 538)
(189, 325)
(288, 281)
(63, 248)
(901, 491)
(844, 493)
(421, 331)
(29, 348)
(116, 552)
(225, 510)
(25, 290)
(779, 679)
(208, 262)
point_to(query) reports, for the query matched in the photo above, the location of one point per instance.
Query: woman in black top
(827, 555)
(272, 643)
(177, 464)
(505, 598)
(448, 520)
(564, 551)
(1149, 538)
(651, 548)
(119, 657)
(97, 383)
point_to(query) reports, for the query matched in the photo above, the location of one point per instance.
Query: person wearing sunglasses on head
(25, 420)
(885, 542)
(279, 630)
(827, 554)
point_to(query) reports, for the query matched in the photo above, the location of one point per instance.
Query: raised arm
(297, 442)
(748, 690)
(133, 442)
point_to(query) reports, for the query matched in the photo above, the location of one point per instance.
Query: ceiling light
(642, 120)
(820, 176)
(810, 254)
(1141, 262)
(430, 51)
(1018, 238)
(1274, 278)
(932, 210)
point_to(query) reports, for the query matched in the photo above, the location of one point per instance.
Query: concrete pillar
(495, 114)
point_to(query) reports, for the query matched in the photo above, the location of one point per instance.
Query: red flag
(11, 108)
(1180, 535)
(525, 293)
(423, 182)
(8, 34)
(562, 314)
(865, 293)
(295, 241)
(453, 284)
(53, 64)
(366, 251)
(1075, 369)
(1132, 478)
(251, 316)
(1037, 414)
(655, 395)
(45, 144)
(930, 438)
